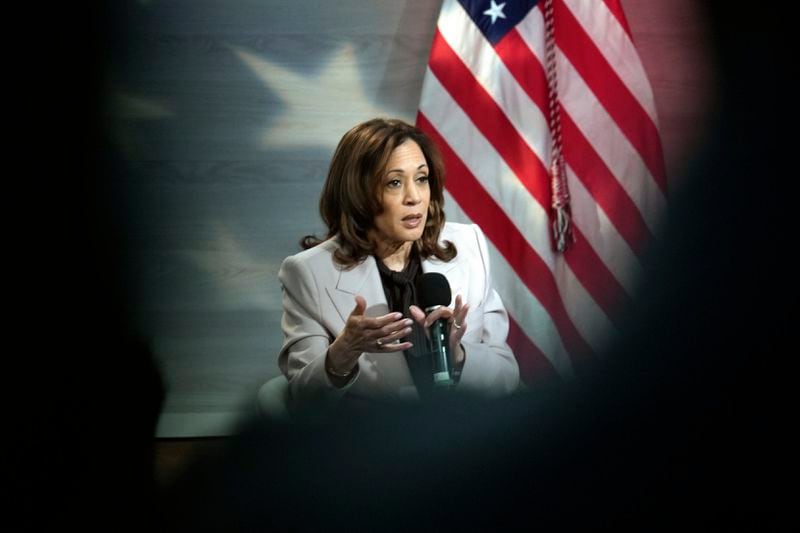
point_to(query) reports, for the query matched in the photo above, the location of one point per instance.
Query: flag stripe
(602, 235)
(525, 67)
(614, 7)
(614, 95)
(614, 42)
(480, 61)
(533, 272)
(531, 317)
(487, 107)
(598, 127)
(492, 122)
(528, 216)
(495, 126)
(603, 185)
(533, 365)
(500, 183)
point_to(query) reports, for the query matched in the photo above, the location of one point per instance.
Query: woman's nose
(412, 194)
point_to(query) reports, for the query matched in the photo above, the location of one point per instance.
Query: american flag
(485, 102)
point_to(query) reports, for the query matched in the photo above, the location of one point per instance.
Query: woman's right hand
(367, 334)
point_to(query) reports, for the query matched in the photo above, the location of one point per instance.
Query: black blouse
(400, 291)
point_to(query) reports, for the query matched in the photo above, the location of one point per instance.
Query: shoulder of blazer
(319, 263)
(464, 236)
(318, 258)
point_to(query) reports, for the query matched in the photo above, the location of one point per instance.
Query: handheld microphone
(433, 291)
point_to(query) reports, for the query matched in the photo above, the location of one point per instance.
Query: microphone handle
(440, 353)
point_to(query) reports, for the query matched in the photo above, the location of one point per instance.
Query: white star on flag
(495, 11)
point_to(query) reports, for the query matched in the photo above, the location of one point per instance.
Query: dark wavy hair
(351, 199)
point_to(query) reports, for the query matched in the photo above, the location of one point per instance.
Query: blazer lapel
(363, 280)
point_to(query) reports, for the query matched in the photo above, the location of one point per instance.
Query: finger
(380, 333)
(461, 316)
(417, 314)
(442, 312)
(397, 326)
(455, 337)
(361, 306)
(396, 334)
(456, 316)
(459, 303)
(372, 323)
(419, 317)
(391, 348)
(459, 319)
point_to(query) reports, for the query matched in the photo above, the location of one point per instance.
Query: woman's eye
(393, 184)
(422, 179)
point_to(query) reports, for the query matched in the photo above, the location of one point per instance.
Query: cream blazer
(318, 297)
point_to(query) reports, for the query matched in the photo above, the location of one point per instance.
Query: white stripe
(514, 102)
(600, 130)
(505, 90)
(486, 164)
(603, 236)
(589, 318)
(531, 29)
(504, 187)
(477, 53)
(613, 147)
(521, 304)
(602, 27)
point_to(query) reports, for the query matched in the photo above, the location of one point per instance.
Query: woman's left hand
(458, 324)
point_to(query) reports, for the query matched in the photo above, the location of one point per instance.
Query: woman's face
(405, 195)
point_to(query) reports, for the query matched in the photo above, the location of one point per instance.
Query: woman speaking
(354, 333)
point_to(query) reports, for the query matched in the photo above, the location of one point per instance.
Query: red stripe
(616, 9)
(534, 366)
(593, 274)
(490, 118)
(612, 93)
(498, 130)
(604, 188)
(589, 167)
(530, 268)
(525, 67)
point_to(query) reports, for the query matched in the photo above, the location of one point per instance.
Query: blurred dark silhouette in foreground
(679, 426)
(91, 393)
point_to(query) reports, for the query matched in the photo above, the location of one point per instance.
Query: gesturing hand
(367, 334)
(458, 326)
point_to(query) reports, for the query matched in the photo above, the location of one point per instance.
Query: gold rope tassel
(562, 223)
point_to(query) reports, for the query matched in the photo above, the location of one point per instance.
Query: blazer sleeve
(305, 341)
(490, 368)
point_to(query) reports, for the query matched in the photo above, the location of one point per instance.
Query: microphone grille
(433, 289)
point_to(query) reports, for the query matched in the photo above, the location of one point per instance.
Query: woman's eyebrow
(401, 170)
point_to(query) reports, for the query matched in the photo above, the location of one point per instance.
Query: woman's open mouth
(412, 221)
